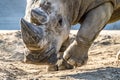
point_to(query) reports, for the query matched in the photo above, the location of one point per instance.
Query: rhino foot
(60, 65)
(76, 55)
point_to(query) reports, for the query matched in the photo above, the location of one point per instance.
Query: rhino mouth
(43, 58)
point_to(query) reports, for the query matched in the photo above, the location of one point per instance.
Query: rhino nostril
(32, 57)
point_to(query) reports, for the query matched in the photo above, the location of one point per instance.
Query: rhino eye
(60, 19)
(60, 22)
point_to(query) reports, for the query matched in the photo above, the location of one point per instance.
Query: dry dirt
(102, 63)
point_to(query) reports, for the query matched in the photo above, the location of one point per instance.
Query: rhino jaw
(32, 35)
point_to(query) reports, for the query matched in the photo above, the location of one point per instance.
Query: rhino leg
(61, 63)
(77, 53)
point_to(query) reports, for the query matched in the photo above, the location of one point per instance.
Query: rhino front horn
(31, 34)
(39, 16)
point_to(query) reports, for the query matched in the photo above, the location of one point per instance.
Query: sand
(102, 63)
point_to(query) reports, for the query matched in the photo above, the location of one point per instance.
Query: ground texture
(102, 63)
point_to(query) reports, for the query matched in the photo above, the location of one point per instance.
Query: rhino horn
(39, 16)
(31, 34)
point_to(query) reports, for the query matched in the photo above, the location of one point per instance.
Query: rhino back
(115, 16)
(96, 3)
(88, 5)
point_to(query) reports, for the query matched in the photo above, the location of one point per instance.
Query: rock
(118, 56)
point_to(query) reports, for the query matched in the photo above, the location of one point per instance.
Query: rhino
(46, 30)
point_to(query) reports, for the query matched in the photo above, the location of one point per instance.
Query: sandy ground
(102, 63)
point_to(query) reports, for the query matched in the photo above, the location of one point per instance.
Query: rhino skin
(46, 28)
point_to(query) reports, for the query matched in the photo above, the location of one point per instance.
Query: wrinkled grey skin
(46, 26)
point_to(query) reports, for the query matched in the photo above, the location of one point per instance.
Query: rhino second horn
(31, 34)
(39, 16)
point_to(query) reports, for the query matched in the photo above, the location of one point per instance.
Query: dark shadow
(108, 73)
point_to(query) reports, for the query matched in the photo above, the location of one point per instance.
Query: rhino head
(44, 28)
